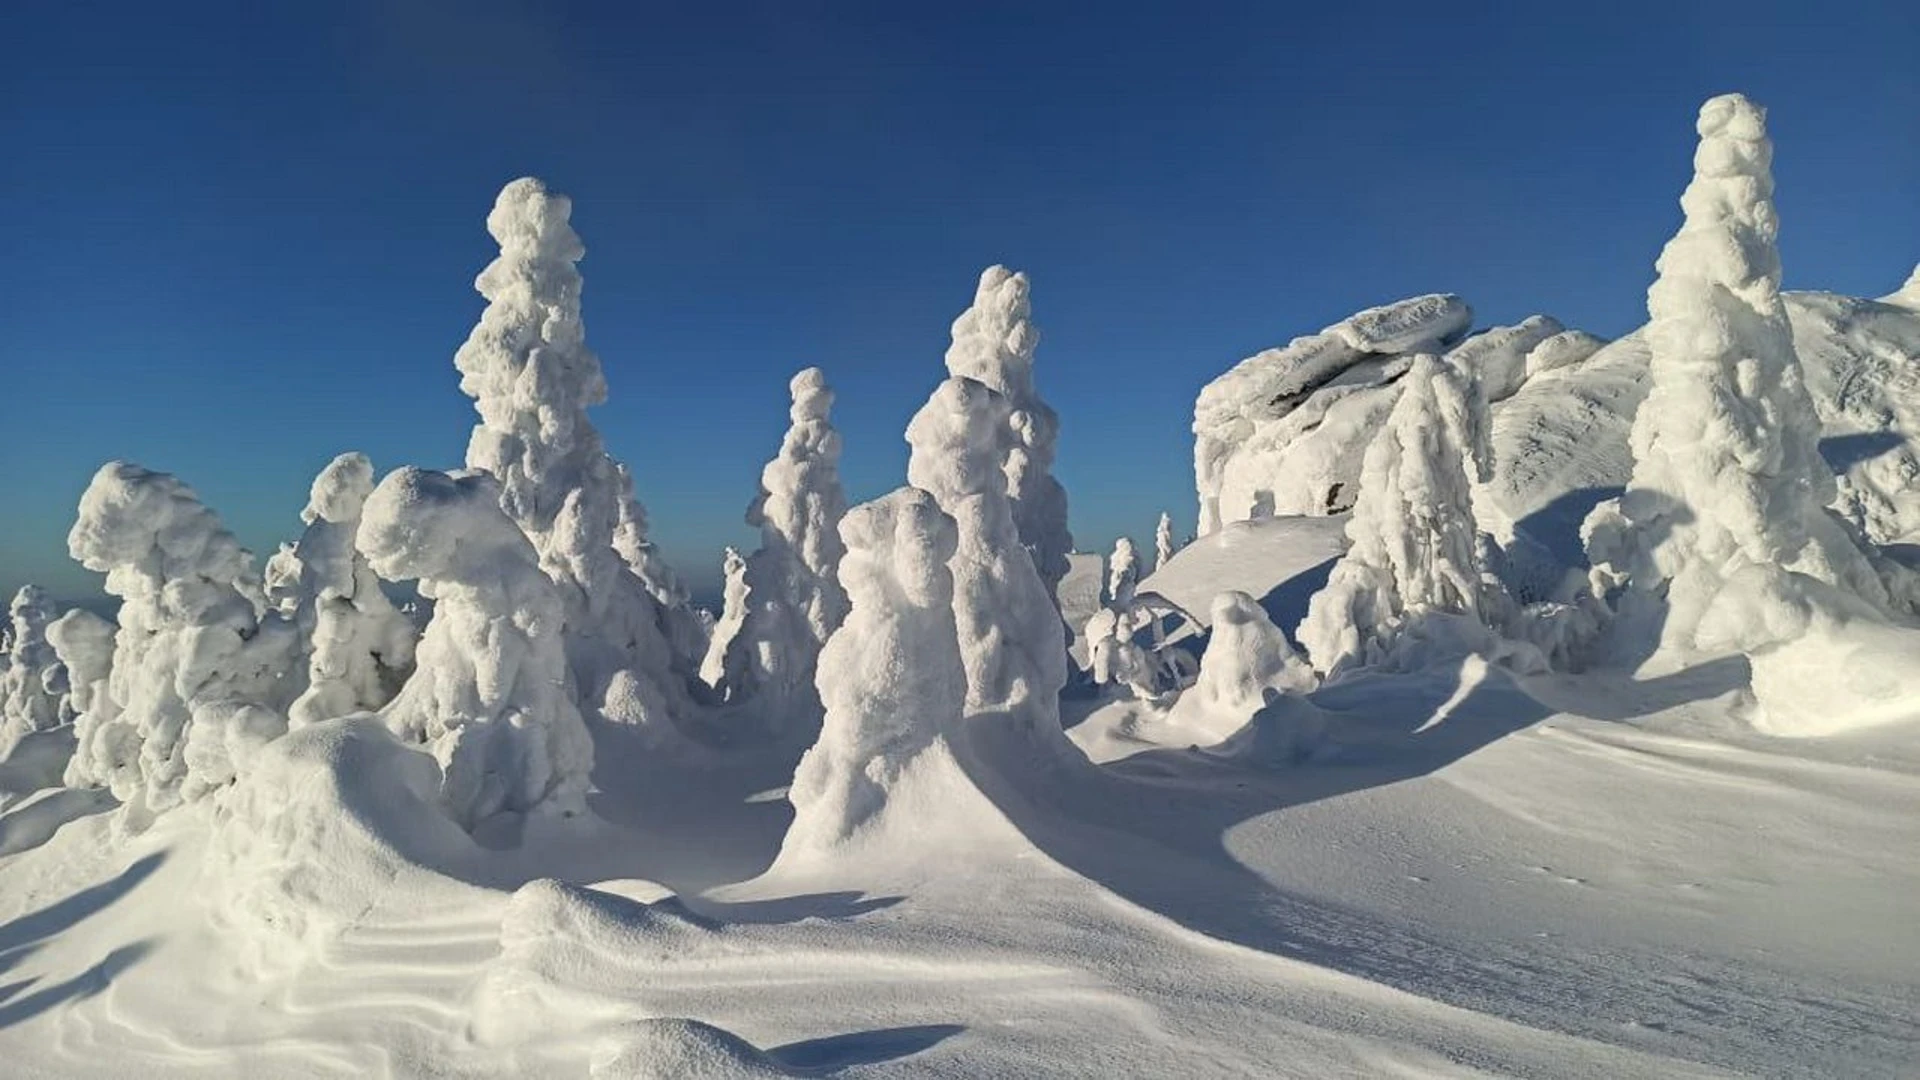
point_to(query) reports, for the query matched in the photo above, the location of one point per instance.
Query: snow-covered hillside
(1528, 705)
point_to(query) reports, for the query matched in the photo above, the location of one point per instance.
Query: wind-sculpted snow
(490, 694)
(1560, 350)
(891, 677)
(993, 344)
(359, 647)
(33, 686)
(794, 597)
(532, 378)
(1496, 359)
(1413, 558)
(196, 674)
(1011, 639)
(1727, 469)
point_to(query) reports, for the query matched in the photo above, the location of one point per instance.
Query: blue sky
(241, 238)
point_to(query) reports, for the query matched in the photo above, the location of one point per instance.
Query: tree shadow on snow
(84, 985)
(1843, 452)
(790, 909)
(836, 1052)
(21, 937)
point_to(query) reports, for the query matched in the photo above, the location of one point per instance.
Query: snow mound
(1562, 350)
(673, 1049)
(1247, 663)
(326, 824)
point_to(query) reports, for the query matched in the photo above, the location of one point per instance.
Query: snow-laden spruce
(197, 676)
(993, 343)
(891, 678)
(489, 696)
(1728, 483)
(359, 646)
(1163, 545)
(1246, 662)
(532, 378)
(1123, 573)
(84, 643)
(794, 598)
(1010, 632)
(733, 615)
(1414, 568)
(30, 695)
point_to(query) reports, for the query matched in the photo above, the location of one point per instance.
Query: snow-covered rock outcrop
(490, 696)
(532, 379)
(891, 677)
(794, 598)
(196, 673)
(993, 344)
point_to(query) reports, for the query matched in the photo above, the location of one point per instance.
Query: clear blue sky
(240, 238)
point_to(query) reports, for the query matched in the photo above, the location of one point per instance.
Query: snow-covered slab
(1497, 358)
(1562, 350)
(1270, 383)
(1402, 325)
(1273, 561)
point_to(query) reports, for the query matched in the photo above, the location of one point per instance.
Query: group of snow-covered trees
(866, 636)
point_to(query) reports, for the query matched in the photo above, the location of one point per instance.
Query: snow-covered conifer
(489, 695)
(1163, 546)
(84, 643)
(1123, 573)
(795, 598)
(360, 646)
(1010, 632)
(733, 615)
(1414, 554)
(891, 676)
(993, 343)
(27, 702)
(532, 378)
(1246, 659)
(196, 677)
(1728, 478)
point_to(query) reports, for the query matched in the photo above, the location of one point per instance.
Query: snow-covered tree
(360, 646)
(993, 343)
(733, 615)
(489, 693)
(84, 643)
(1728, 480)
(680, 622)
(795, 598)
(27, 702)
(196, 678)
(1247, 658)
(891, 676)
(1163, 545)
(1123, 573)
(532, 378)
(1414, 562)
(1010, 632)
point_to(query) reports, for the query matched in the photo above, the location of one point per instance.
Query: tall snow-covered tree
(532, 378)
(1414, 561)
(993, 343)
(28, 702)
(794, 596)
(1163, 545)
(1010, 632)
(360, 647)
(1123, 573)
(1728, 480)
(734, 591)
(891, 676)
(489, 693)
(196, 673)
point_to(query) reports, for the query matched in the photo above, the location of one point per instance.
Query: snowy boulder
(490, 694)
(891, 677)
(1497, 358)
(1565, 349)
(1412, 325)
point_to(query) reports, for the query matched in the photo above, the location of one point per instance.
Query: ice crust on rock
(794, 598)
(1011, 637)
(196, 679)
(993, 344)
(1414, 557)
(1728, 483)
(490, 696)
(532, 378)
(359, 646)
(891, 678)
